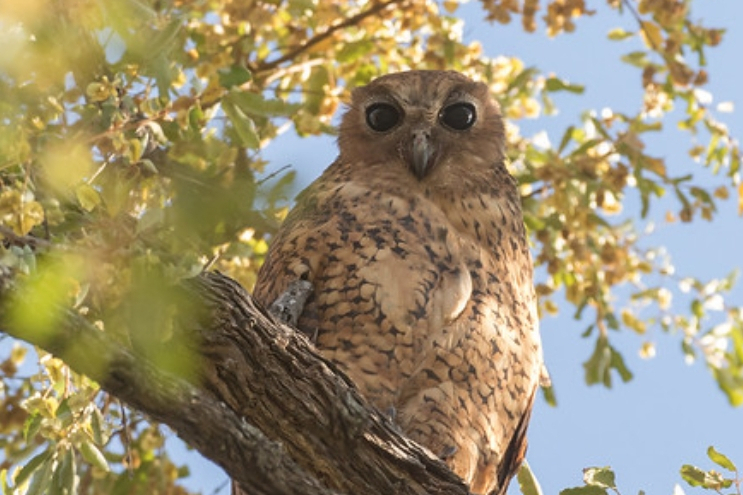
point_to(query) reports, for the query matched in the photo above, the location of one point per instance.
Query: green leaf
(528, 483)
(640, 126)
(315, 89)
(697, 308)
(31, 466)
(693, 475)
(93, 455)
(584, 490)
(583, 148)
(256, 105)
(87, 196)
(566, 138)
(65, 479)
(549, 395)
(611, 321)
(354, 50)
(163, 42)
(42, 478)
(617, 362)
(31, 426)
(707, 479)
(281, 188)
(602, 477)
(702, 195)
(597, 366)
(520, 82)
(554, 84)
(638, 59)
(242, 124)
(64, 413)
(721, 459)
(731, 383)
(234, 75)
(618, 34)
(588, 331)
(4, 482)
(533, 223)
(96, 423)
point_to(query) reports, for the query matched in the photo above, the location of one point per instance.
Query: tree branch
(277, 417)
(297, 50)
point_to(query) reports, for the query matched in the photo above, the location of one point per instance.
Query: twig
(266, 66)
(22, 240)
(637, 17)
(272, 175)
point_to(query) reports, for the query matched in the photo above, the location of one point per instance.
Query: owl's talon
(391, 413)
(290, 304)
(448, 451)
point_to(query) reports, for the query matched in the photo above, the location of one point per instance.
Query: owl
(414, 245)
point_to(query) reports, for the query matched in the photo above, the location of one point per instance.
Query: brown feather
(422, 277)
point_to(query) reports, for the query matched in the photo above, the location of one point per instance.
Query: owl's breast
(386, 278)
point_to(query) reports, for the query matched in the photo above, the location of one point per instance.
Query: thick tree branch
(277, 417)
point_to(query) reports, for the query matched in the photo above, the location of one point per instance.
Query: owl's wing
(516, 450)
(286, 264)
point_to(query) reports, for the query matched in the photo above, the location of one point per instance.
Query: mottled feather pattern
(422, 284)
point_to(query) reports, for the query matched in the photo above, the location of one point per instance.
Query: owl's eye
(458, 116)
(382, 117)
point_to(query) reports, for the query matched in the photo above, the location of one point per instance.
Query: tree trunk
(277, 417)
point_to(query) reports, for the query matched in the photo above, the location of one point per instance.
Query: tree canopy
(130, 160)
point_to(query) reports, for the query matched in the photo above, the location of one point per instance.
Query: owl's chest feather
(394, 275)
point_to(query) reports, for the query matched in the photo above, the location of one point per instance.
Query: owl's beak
(423, 152)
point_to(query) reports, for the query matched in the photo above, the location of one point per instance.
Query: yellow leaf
(631, 321)
(451, 6)
(10, 202)
(87, 197)
(98, 92)
(35, 309)
(696, 151)
(66, 163)
(32, 215)
(721, 192)
(647, 351)
(740, 198)
(550, 307)
(18, 354)
(651, 34)
(657, 166)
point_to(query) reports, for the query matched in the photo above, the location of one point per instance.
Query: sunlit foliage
(130, 138)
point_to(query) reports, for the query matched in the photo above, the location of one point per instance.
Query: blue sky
(671, 412)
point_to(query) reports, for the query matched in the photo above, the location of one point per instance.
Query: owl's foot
(448, 451)
(290, 304)
(391, 413)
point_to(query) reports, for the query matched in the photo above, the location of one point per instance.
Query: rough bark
(264, 406)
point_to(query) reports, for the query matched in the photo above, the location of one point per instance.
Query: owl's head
(437, 125)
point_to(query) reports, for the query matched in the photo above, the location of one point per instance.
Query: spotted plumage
(414, 244)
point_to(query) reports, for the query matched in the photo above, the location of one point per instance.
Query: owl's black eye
(458, 116)
(382, 117)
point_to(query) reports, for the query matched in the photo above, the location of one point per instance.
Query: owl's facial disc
(423, 153)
